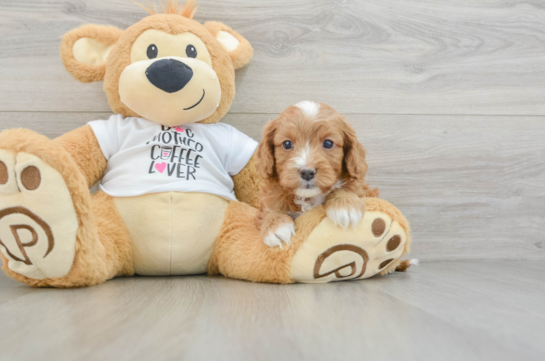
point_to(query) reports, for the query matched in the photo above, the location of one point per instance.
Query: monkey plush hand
(177, 189)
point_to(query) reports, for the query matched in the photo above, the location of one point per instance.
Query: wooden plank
(373, 57)
(472, 296)
(473, 187)
(439, 311)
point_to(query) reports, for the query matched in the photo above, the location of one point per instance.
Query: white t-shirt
(146, 157)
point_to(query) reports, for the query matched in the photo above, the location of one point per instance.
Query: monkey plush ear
(84, 51)
(239, 49)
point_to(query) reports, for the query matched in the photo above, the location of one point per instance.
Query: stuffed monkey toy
(178, 190)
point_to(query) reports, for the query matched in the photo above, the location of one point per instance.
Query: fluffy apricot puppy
(310, 156)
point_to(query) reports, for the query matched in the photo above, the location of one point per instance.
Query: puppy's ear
(354, 164)
(266, 165)
(239, 49)
(84, 51)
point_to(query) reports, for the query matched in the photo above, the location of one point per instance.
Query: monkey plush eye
(287, 145)
(328, 144)
(152, 51)
(190, 51)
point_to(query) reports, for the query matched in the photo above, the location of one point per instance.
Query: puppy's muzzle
(169, 75)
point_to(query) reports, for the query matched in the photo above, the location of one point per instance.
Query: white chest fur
(307, 203)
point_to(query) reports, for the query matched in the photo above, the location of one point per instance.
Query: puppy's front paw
(282, 233)
(344, 217)
(345, 209)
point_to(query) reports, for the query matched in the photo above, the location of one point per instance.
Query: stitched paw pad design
(331, 254)
(38, 223)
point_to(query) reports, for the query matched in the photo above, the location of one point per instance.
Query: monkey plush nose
(307, 174)
(169, 75)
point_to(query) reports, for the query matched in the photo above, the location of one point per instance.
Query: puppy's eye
(152, 51)
(190, 51)
(328, 144)
(287, 145)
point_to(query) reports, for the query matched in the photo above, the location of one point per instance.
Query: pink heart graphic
(160, 166)
(178, 129)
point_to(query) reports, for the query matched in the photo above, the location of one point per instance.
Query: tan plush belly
(172, 233)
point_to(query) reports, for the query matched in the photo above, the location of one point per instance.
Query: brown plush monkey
(170, 174)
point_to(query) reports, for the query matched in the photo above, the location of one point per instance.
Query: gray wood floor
(439, 311)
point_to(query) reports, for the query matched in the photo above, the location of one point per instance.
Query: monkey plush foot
(319, 252)
(48, 235)
(375, 245)
(38, 222)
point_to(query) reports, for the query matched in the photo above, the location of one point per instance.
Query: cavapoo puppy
(309, 156)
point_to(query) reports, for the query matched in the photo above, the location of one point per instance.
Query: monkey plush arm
(83, 146)
(247, 183)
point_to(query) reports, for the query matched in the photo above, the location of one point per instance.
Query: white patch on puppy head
(309, 108)
(302, 157)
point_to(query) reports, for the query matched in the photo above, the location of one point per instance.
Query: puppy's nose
(169, 75)
(307, 174)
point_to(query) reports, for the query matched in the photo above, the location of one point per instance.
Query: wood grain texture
(472, 187)
(438, 311)
(379, 56)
